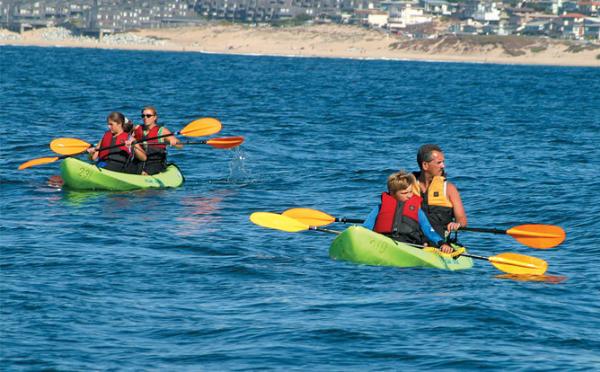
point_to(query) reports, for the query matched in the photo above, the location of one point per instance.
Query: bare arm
(173, 141)
(459, 210)
(139, 152)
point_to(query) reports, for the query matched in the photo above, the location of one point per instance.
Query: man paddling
(441, 200)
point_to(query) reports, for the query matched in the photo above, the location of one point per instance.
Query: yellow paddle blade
(38, 161)
(225, 142)
(277, 222)
(68, 146)
(514, 263)
(201, 127)
(538, 236)
(309, 216)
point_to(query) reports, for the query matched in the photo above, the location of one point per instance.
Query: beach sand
(335, 41)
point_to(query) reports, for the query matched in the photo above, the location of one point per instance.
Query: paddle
(531, 235)
(314, 217)
(511, 263)
(74, 146)
(67, 146)
(219, 143)
(283, 223)
(197, 128)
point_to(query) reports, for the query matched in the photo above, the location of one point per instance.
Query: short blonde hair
(400, 181)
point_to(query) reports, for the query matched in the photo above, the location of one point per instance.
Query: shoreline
(327, 41)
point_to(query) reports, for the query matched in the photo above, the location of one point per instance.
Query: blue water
(181, 280)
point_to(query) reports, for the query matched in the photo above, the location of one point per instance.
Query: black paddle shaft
(349, 220)
(484, 230)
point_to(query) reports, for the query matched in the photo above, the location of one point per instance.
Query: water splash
(238, 173)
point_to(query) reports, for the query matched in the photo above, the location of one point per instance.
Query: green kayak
(80, 175)
(360, 245)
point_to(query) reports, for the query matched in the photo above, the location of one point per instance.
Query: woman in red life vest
(156, 149)
(119, 159)
(400, 215)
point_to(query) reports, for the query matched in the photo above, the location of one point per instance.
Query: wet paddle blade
(514, 263)
(538, 236)
(38, 161)
(201, 127)
(311, 217)
(277, 222)
(68, 146)
(225, 142)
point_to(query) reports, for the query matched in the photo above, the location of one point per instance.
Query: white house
(408, 16)
(377, 19)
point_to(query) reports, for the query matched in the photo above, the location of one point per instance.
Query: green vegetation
(598, 56)
(296, 21)
(576, 48)
(538, 49)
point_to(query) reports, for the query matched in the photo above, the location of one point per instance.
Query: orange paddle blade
(538, 236)
(277, 222)
(68, 146)
(309, 216)
(225, 142)
(38, 161)
(514, 263)
(201, 127)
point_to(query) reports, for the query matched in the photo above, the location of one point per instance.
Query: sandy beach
(334, 41)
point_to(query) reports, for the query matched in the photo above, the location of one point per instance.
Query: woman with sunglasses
(121, 158)
(155, 148)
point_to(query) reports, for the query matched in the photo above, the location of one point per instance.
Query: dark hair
(117, 117)
(425, 153)
(128, 126)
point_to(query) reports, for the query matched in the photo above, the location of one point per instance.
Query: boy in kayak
(400, 215)
(118, 159)
(156, 148)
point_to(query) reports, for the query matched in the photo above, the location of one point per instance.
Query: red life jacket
(153, 145)
(400, 219)
(110, 140)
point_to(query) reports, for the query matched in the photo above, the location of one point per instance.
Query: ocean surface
(180, 279)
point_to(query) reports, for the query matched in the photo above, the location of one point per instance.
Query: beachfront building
(258, 11)
(571, 25)
(377, 19)
(404, 16)
(486, 12)
(591, 28)
(22, 15)
(590, 8)
(439, 7)
(93, 15)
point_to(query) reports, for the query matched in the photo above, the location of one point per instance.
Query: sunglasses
(147, 115)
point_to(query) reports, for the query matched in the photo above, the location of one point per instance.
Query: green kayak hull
(80, 175)
(363, 246)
